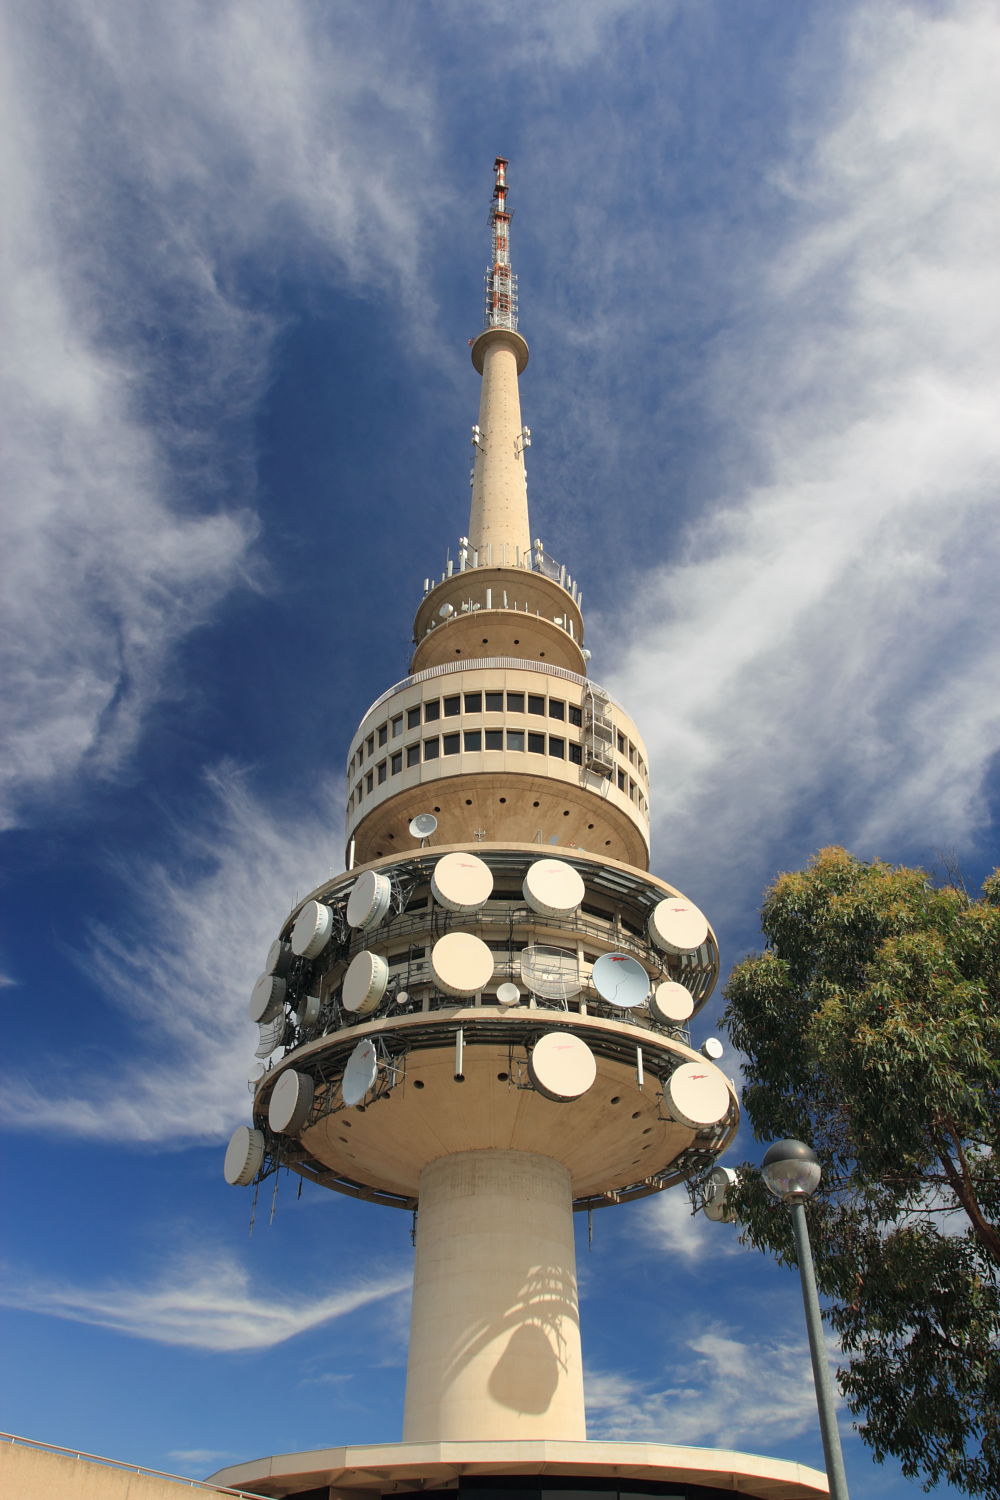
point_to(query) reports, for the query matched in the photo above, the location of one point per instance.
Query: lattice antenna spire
(501, 283)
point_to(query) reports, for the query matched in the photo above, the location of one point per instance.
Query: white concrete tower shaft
(498, 522)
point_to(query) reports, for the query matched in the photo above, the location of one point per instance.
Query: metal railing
(117, 1463)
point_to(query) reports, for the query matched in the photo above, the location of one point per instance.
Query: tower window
(536, 704)
(557, 710)
(383, 733)
(576, 754)
(575, 715)
(369, 781)
(432, 748)
(452, 743)
(453, 706)
(381, 769)
(396, 762)
(621, 781)
(557, 747)
(413, 755)
(515, 739)
(432, 710)
(494, 739)
(515, 703)
(473, 703)
(370, 746)
(412, 717)
(397, 726)
(494, 703)
(621, 744)
(473, 739)
(536, 744)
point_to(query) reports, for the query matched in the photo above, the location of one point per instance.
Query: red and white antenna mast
(501, 283)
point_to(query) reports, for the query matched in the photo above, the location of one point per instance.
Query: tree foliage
(871, 1027)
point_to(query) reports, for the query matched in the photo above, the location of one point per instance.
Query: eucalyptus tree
(871, 1028)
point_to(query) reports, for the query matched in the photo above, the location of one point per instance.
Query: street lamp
(792, 1171)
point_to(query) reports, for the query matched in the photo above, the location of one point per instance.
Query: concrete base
(386, 1469)
(495, 1335)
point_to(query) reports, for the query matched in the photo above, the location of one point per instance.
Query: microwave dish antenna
(422, 827)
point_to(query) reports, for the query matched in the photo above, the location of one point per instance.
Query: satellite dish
(307, 1012)
(244, 1155)
(508, 994)
(712, 1048)
(290, 1102)
(461, 882)
(620, 980)
(552, 973)
(561, 1066)
(359, 1074)
(422, 826)
(720, 1180)
(312, 930)
(267, 998)
(270, 1036)
(461, 963)
(585, 654)
(677, 926)
(255, 1074)
(697, 1095)
(402, 997)
(671, 1003)
(364, 983)
(279, 958)
(553, 888)
(369, 900)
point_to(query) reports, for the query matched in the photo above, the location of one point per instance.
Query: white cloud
(203, 1303)
(818, 656)
(147, 157)
(180, 969)
(731, 1393)
(666, 1222)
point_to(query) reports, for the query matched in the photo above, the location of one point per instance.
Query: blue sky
(757, 252)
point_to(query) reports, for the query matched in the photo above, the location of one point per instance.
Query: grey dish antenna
(620, 980)
(360, 1074)
(423, 826)
(720, 1181)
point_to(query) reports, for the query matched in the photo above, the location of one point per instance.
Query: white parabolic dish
(721, 1179)
(364, 983)
(312, 929)
(620, 980)
(677, 926)
(279, 958)
(553, 888)
(360, 1073)
(244, 1155)
(307, 1012)
(290, 1102)
(697, 1094)
(508, 994)
(267, 998)
(562, 1066)
(461, 882)
(462, 963)
(369, 901)
(672, 1003)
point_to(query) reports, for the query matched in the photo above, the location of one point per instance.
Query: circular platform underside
(615, 1140)
(388, 1468)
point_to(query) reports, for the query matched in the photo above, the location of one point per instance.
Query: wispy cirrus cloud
(203, 1302)
(816, 658)
(150, 159)
(732, 1392)
(666, 1221)
(182, 983)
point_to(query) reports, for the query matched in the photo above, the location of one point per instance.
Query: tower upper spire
(499, 529)
(501, 283)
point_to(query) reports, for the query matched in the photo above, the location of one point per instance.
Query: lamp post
(791, 1171)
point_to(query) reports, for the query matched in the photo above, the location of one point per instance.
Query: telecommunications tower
(485, 1019)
